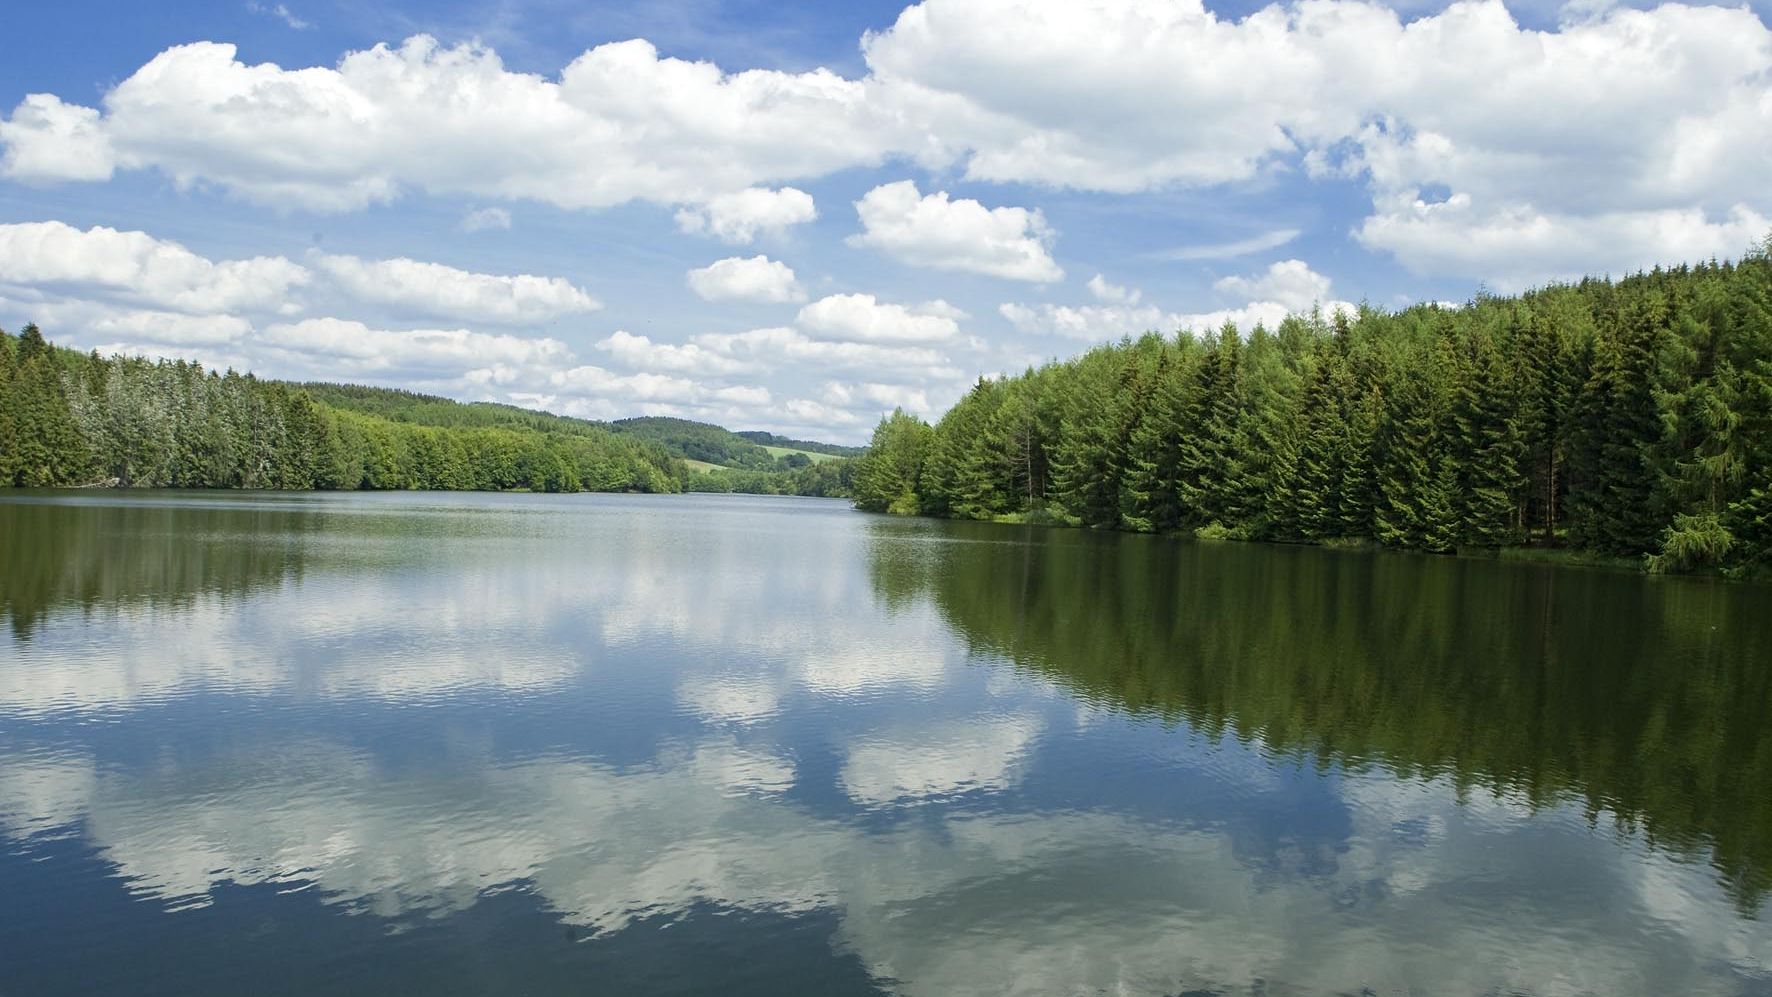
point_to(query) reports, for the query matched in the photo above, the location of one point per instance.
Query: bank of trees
(1630, 418)
(73, 419)
(790, 476)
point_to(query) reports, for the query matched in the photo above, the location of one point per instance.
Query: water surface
(485, 744)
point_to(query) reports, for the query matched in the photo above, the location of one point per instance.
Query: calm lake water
(485, 744)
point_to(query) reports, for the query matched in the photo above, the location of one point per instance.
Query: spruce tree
(1619, 506)
(49, 450)
(1358, 493)
(1208, 465)
(1313, 508)
(1265, 441)
(1152, 502)
(1413, 502)
(1486, 444)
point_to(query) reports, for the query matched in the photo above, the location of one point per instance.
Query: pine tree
(1618, 509)
(1413, 506)
(1265, 441)
(1101, 415)
(1358, 496)
(1749, 521)
(1550, 344)
(1208, 463)
(952, 478)
(49, 450)
(1314, 506)
(1152, 501)
(1486, 441)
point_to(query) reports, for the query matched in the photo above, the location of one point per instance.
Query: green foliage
(1692, 542)
(72, 419)
(1209, 475)
(1623, 419)
(697, 441)
(1101, 405)
(1750, 521)
(886, 477)
(45, 448)
(825, 479)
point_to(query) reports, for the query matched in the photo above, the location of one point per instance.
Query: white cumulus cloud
(1113, 294)
(886, 397)
(618, 124)
(1266, 298)
(778, 346)
(935, 231)
(1624, 126)
(739, 216)
(1291, 283)
(861, 318)
(1521, 246)
(432, 289)
(346, 346)
(757, 278)
(637, 352)
(138, 268)
(46, 139)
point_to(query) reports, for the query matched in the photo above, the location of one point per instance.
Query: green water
(483, 744)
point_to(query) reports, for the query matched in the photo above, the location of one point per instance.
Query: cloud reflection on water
(941, 826)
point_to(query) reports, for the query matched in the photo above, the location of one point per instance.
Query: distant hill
(752, 450)
(707, 457)
(693, 440)
(683, 438)
(810, 446)
(397, 405)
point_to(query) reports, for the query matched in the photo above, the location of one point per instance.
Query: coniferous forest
(1628, 419)
(71, 419)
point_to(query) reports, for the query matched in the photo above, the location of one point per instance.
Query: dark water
(469, 744)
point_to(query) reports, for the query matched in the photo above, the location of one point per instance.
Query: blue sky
(795, 217)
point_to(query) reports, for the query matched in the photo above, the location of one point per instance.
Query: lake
(433, 743)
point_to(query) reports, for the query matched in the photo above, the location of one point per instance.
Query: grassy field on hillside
(817, 458)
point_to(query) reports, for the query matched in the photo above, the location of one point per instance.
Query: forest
(1627, 419)
(73, 419)
(69, 419)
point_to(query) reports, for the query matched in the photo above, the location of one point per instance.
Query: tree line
(72, 419)
(794, 474)
(1628, 418)
(766, 439)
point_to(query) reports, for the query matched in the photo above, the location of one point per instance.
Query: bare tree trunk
(1550, 502)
